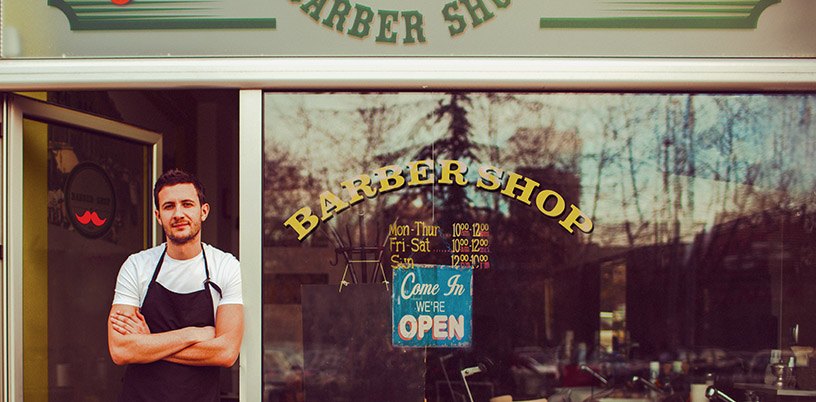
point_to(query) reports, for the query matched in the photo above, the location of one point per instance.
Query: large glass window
(600, 236)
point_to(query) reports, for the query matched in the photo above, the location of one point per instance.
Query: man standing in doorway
(177, 313)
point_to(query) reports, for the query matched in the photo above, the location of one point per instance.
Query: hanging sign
(432, 306)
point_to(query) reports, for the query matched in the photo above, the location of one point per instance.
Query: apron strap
(208, 282)
(157, 269)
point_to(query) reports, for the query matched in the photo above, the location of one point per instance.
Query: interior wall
(200, 135)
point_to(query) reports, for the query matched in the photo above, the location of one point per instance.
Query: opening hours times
(464, 244)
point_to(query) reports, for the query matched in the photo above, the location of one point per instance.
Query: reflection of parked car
(282, 375)
(716, 360)
(326, 370)
(535, 371)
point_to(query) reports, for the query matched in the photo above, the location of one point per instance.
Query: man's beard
(179, 240)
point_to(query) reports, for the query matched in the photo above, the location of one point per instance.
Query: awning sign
(416, 28)
(432, 306)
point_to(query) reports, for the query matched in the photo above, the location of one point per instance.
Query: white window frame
(416, 74)
(250, 243)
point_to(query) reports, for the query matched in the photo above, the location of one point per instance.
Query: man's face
(180, 213)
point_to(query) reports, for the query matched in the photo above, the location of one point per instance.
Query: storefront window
(595, 237)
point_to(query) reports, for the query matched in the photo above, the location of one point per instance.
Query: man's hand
(130, 340)
(133, 323)
(221, 350)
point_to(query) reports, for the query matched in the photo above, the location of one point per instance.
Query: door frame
(16, 108)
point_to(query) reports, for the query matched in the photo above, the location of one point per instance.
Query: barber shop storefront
(464, 201)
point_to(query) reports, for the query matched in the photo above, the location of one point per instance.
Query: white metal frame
(16, 109)
(4, 362)
(416, 74)
(250, 172)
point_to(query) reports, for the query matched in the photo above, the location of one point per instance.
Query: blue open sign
(432, 306)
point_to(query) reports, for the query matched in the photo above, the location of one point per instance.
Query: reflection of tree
(676, 165)
(549, 156)
(755, 152)
(285, 184)
(456, 145)
(789, 146)
(545, 146)
(618, 158)
(333, 146)
(707, 155)
(653, 169)
(729, 136)
(535, 141)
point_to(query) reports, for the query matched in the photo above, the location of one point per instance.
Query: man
(177, 313)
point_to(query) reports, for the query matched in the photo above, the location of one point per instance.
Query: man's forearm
(148, 348)
(221, 351)
(130, 340)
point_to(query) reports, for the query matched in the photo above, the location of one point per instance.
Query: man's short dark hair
(175, 176)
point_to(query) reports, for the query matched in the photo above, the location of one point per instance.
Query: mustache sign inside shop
(90, 217)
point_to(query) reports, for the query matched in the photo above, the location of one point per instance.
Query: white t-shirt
(179, 276)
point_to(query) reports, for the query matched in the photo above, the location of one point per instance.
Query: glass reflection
(697, 266)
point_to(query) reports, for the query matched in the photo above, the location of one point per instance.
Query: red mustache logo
(90, 217)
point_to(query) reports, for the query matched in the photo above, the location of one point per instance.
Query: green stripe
(108, 2)
(131, 10)
(668, 22)
(136, 17)
(148, 22)
(650, 23)
(177, 23)
(690, 3)
(690, 10)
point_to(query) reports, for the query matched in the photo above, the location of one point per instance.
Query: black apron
(164, 381)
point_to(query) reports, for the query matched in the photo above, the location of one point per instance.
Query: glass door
(78, 202)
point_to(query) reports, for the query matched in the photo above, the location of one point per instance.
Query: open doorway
(84, 163)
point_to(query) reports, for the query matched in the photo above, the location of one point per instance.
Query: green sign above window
(471, 28)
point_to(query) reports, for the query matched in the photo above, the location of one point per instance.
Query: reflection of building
(543, 243)
(723, 290)
(533, 249)
(749, 268)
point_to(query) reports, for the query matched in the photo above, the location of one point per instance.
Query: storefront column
(13, 274)
(251, 233)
